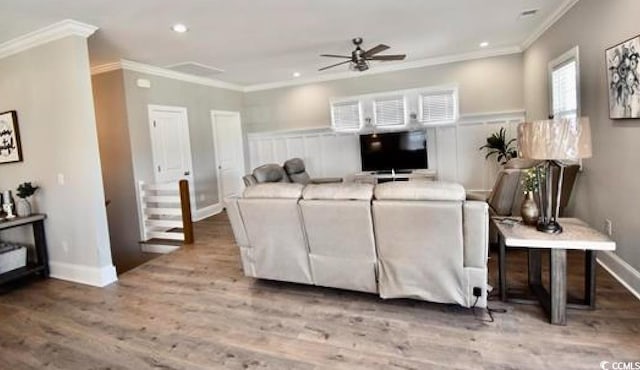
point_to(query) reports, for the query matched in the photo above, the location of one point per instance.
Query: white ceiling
(262, 41)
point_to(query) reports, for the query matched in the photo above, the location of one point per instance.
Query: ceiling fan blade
(375, 50)
(387, 57)
(334, 65)
(335, 56)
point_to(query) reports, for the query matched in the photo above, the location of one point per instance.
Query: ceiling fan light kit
(359, 59)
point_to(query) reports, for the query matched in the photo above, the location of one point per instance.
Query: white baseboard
(207, 211)
(88, 275)
(621, 271)
(158, 248)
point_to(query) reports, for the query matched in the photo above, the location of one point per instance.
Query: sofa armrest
(476, 234)
(249, 180)
(235, 218)
(326, 180)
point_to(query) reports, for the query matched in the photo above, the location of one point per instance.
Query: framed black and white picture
(10, 149)
(624, 79)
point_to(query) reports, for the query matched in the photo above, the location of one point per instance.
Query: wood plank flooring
(194, 309)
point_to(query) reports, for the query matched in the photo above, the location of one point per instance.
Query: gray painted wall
(485, 85)
(199, 101)
(117, 169)
(50, 87)
(608, 187)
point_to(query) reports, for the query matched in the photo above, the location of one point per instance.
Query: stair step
(163, 246)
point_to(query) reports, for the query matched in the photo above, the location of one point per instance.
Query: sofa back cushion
(276, 237)
(339, 227)
(296, 171)
(505, 191)
(274, 191)
(338, 191)
(420, 190)
(419, 237)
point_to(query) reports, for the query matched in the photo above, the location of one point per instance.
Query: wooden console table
(576, 235)
(41, 265)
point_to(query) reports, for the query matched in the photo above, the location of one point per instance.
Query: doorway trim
(214, 127)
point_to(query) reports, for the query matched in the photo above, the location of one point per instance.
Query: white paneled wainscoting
(453, 149)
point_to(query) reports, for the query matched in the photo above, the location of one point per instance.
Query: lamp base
(550, 227)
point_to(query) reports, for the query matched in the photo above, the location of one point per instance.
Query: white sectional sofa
(416, 239)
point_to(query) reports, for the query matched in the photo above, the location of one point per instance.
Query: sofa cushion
(338, 191)
(293, 166)
(419, 190)
(274, 190)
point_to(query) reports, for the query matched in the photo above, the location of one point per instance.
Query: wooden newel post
(185, 202)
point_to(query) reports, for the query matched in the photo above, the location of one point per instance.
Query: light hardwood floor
(194, 309)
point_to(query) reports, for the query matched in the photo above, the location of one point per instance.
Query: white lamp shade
(557, 139)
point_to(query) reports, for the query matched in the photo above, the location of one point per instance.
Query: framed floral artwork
(10, 149)
(624, 79)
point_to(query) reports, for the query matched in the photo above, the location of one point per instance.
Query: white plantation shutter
(389, 111)
(438, 106)
(564, 90)
(346, 116)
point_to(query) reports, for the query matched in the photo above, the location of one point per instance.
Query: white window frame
(405, 108)
(571, 55)
(432, 91)
(360, 113)
(412, 104)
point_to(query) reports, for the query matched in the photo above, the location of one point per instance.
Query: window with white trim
(565, 85)
(438, 106)
(346, 115)
(389, 111)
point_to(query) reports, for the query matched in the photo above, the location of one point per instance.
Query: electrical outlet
(608, 227)
(202, 197)
(65, 246)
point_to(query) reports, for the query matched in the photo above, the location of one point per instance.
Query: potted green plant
(498, 145)
(529, 208)
(24, 192)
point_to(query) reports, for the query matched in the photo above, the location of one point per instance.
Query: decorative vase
(529, 210)
(23, 207)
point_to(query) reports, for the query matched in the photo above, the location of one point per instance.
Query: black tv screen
(394, 151)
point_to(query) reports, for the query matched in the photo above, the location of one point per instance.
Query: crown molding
(550, 21)
(390, 68)
(104, 68)
(167, 73)
(67, 27)
(163, 72)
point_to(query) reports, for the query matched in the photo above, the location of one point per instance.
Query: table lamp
(555, 142)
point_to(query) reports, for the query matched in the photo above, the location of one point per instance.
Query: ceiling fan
(360, 58)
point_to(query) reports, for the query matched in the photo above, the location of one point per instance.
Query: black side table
(41, 265)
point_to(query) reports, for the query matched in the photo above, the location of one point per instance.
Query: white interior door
(170, 143)
(227, 138)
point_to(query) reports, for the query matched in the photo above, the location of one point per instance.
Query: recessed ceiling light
(180, 28)
(484, 44)
(296, 74)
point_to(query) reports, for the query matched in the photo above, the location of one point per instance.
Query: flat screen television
(394, 151)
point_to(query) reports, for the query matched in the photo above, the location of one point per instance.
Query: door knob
(187, 173)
